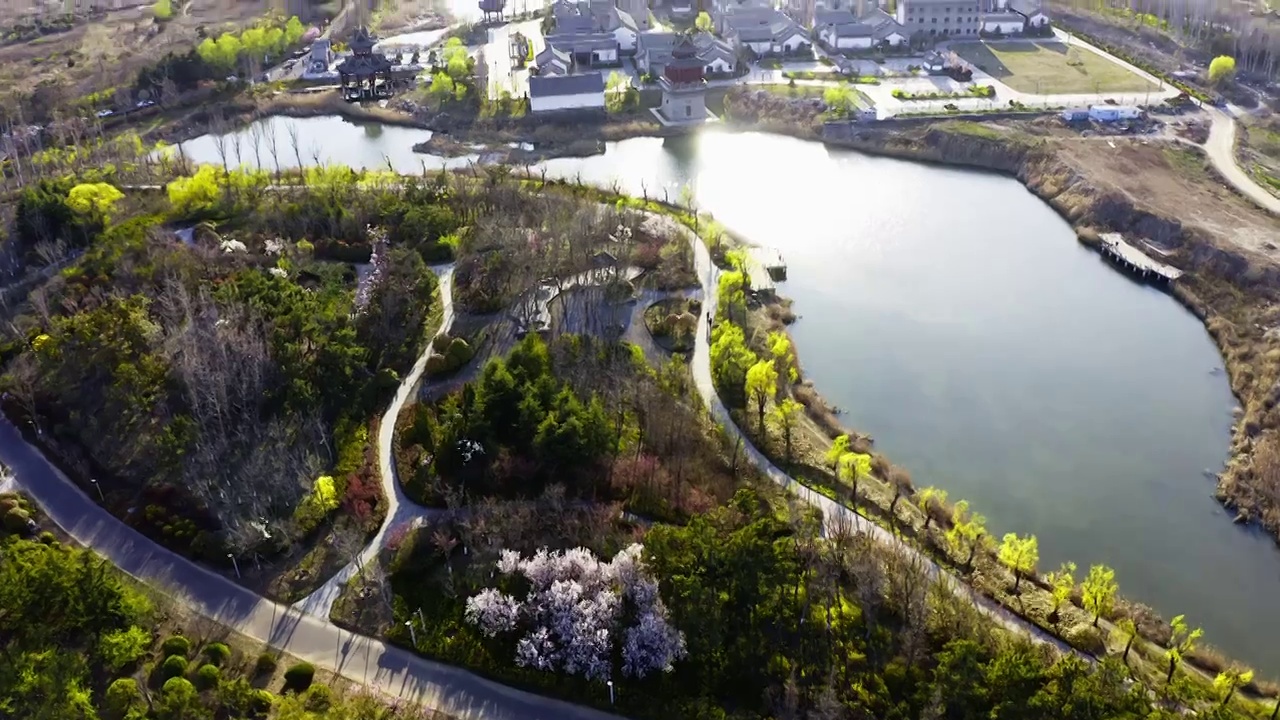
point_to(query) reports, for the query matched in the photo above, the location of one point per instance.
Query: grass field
(1050, 68)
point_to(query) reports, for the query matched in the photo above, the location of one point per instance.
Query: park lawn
(1050, 68)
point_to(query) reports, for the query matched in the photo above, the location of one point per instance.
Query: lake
(953, 316)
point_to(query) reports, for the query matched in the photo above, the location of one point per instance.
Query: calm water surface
(954, 317)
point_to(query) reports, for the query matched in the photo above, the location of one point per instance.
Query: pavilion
(366, 74)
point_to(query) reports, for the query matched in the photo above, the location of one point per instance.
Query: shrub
(122, 648)
(262, 701)
(299, 677)
(16, 520)
(48, 538)
(217, 654)
(173, 666)
(266, 663)
(319, 698)
(176, 645)
(207, 677)
(122, 696)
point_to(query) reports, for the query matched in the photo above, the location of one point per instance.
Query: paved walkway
(834, 513)
(401, 511)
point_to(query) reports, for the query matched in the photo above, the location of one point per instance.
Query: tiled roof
(566, 85)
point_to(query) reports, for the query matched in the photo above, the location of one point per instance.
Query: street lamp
(98, 487)
(413, 634)
(610, 684)
(234, 564)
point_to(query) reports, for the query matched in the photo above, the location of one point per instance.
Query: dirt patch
(106, 50)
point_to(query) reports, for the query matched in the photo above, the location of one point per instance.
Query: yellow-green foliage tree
(1019, 554)
(785, 415)
(1230, 680)
(838, 448)
(968, 532)
(94, 201)
(780, 348)
(703, 22)
(220, 54)
(931, 501)
(1182, 640)
(194, 194)
(730, 357)
(762, 383)
(162, 9)
(1222, 69)
(839, 100)
(456, 62)
(1061, 583)
(1099, 591)
(853, 466)
(731, 294)
(1126, 631)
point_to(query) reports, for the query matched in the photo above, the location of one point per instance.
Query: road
(503, 75)
(1221, 149)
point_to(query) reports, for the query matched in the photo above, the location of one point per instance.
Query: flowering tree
(574, 612)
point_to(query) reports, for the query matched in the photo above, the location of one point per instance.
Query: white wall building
(566, 92)
(1005, 23)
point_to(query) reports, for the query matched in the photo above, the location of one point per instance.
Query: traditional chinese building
(366, 74)
(684, 86)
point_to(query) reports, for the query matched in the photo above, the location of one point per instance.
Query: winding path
(401, 511)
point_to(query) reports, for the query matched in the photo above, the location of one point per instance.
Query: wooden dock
(1136, 260)
(765, 267)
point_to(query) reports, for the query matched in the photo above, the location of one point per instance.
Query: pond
(955, 318)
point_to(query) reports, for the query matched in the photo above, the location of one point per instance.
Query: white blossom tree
(574, 613)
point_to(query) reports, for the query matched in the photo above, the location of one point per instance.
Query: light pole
(610, 684)
(98, 487)
(234, 564)
(413, 634)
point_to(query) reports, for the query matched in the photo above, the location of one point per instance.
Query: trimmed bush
(48, 538)
(207, 677)
(266, 663)
(319, 698)
(262, 702)
(299, 677)
(178, 687)
(176, 645)
(174, 666)
(217, 654)
(122, 696)
(16, 520)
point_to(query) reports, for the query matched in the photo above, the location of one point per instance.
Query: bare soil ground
(1175, 181)
(107, 49)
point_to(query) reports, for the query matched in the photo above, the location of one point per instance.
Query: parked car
(105, 113)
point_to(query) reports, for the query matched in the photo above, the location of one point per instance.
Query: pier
(1115, 248)
(765, 268)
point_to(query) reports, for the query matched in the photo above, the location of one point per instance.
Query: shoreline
(1214, 274)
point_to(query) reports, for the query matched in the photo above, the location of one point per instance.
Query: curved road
(1221, 149)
